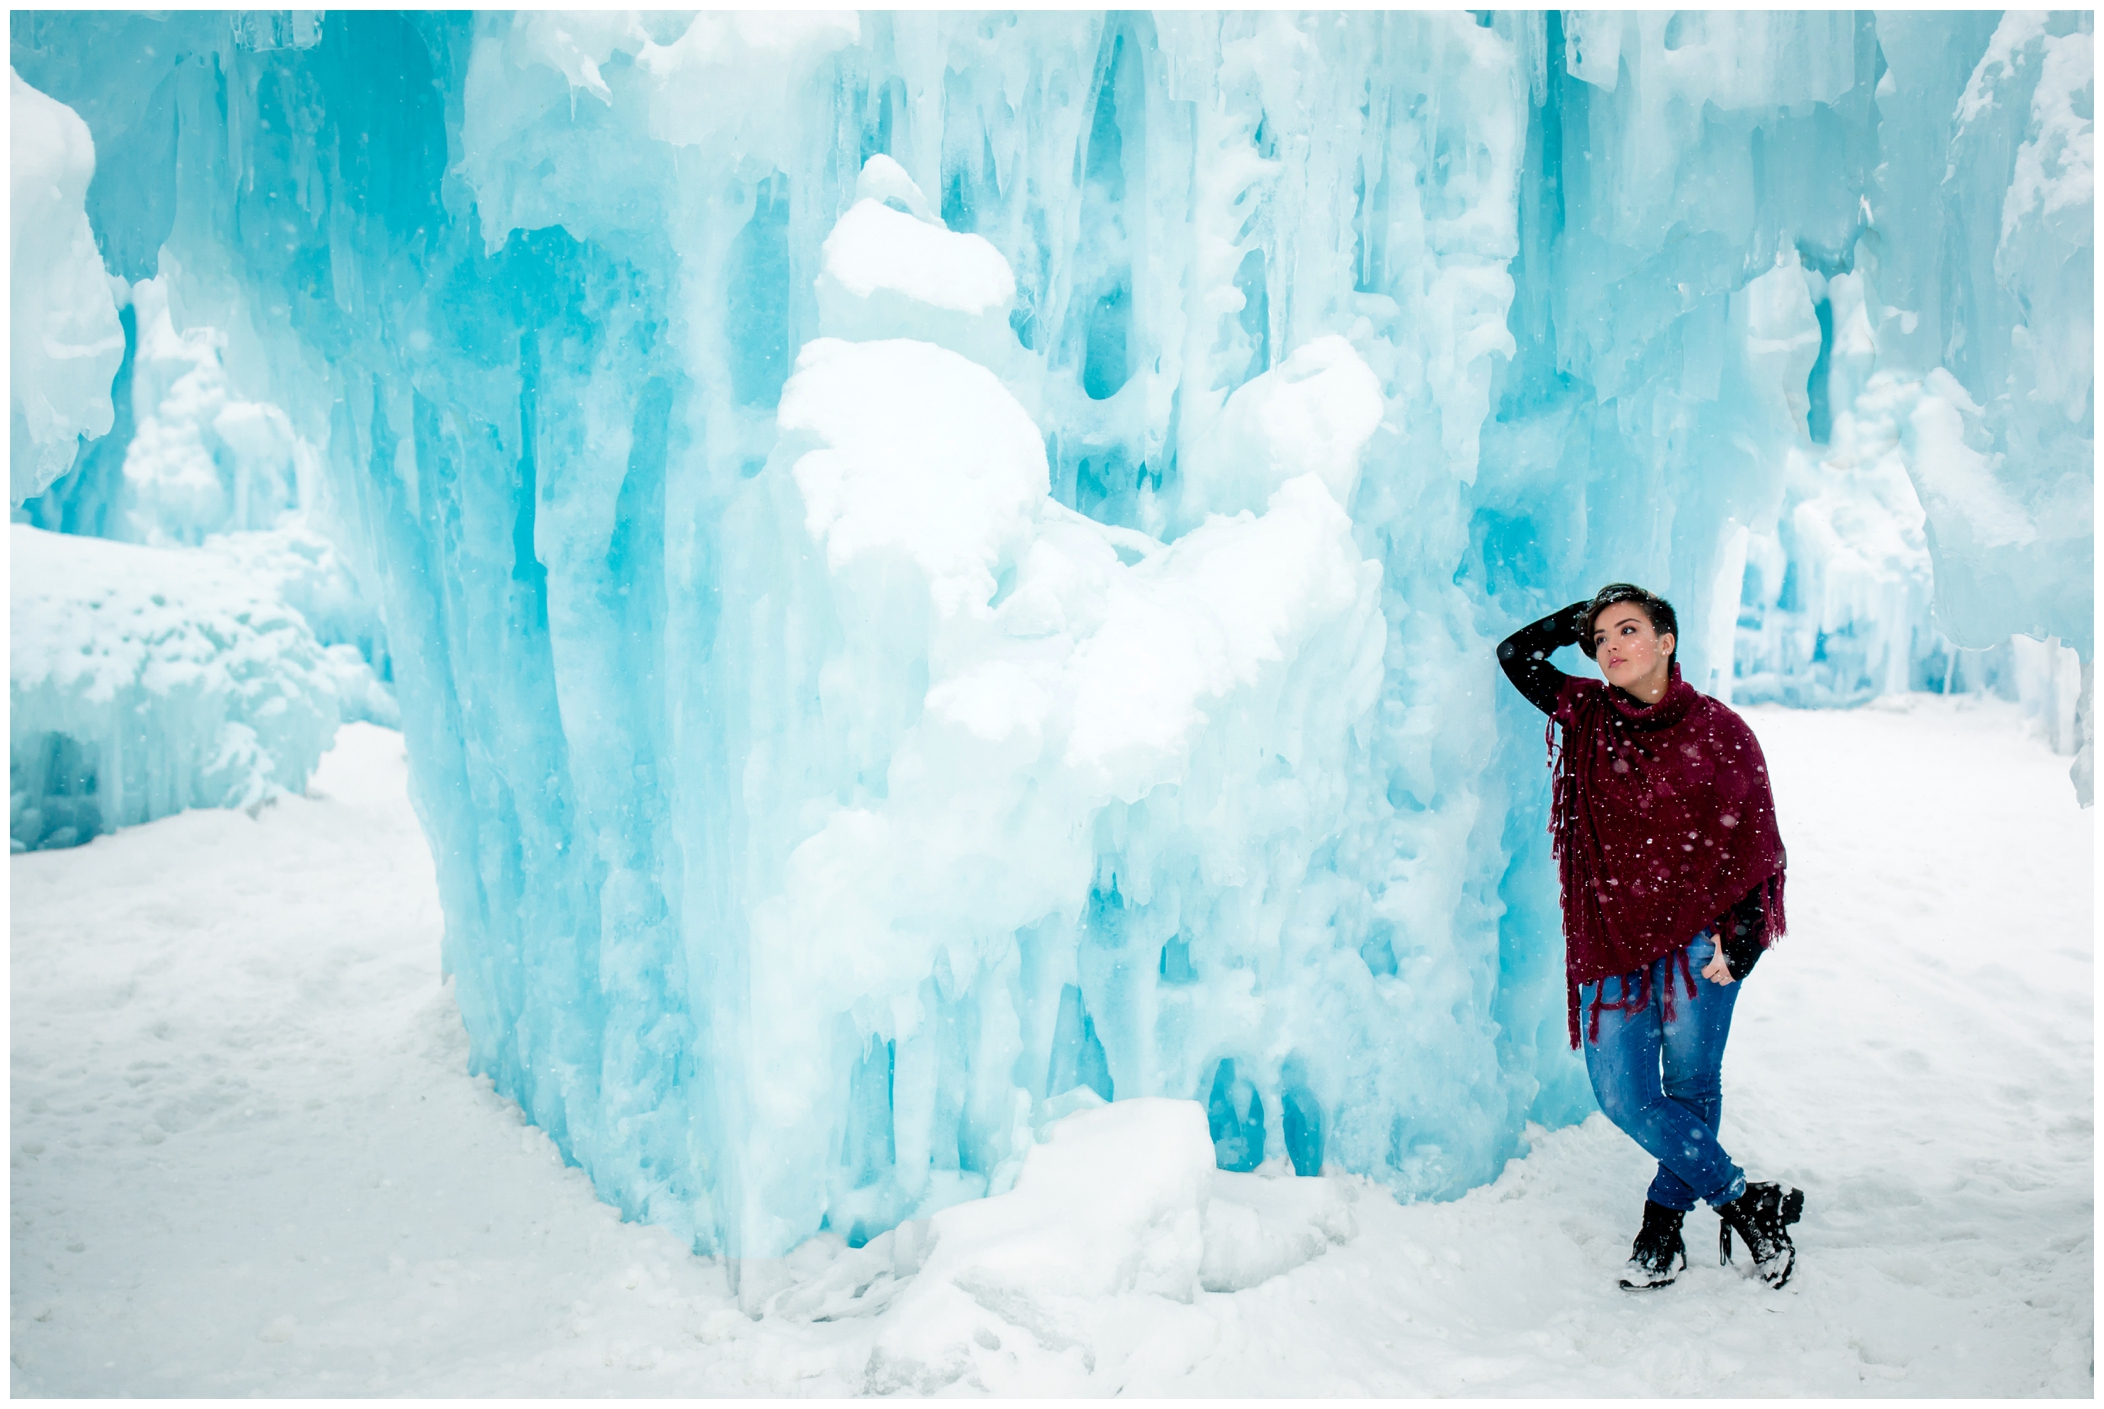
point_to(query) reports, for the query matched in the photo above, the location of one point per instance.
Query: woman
(1665, 839)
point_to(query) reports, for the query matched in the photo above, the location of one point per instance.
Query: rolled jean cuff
(1730, 1191)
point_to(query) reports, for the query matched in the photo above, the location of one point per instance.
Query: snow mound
(1258, 1226)
(146, 680)
(1119, 1210)
(891, 269)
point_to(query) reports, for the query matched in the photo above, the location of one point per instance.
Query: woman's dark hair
(1657, 608)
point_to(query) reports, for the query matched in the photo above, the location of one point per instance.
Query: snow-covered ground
(246, 1158)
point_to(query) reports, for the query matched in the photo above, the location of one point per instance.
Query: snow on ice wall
(64, 343)
(887, 646)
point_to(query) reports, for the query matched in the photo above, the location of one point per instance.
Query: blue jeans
(1650, 1024)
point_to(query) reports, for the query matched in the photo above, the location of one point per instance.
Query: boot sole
(1670, 1278)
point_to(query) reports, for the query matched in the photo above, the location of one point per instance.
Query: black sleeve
(1744, 927)
(1525, 654)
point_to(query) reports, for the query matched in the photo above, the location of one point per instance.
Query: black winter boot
(1658, 1255)
(1762, 1216)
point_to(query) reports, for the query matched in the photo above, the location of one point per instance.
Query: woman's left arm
(1740, 947)
(1525, 654)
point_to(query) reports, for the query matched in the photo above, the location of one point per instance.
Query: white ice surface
(875, 248)
(1314, 414)
(64, 338)
(246, 1159)
(202, 458)
(887, 274)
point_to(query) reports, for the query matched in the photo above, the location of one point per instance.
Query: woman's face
(1630, 653)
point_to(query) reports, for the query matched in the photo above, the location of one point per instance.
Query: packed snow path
(246, 1159)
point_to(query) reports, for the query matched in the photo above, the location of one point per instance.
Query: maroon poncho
(1663, 819)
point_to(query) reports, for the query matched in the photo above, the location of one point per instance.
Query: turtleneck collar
(1671, 708)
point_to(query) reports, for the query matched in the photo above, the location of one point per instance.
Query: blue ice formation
(211, 665)
(1949, 413)
(941, 562)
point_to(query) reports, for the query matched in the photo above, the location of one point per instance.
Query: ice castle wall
(186, 681)
(784, 887)
(1938, 432)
